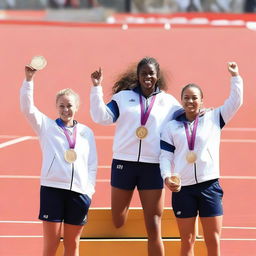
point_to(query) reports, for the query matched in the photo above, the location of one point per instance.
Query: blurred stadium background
(64, 31)
(102, 10)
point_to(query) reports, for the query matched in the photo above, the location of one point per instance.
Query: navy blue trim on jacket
(113, 107)
(222, 122)
(166, 146)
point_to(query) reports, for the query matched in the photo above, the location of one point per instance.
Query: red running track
(186, 54)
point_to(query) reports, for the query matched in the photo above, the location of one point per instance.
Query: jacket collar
(137, 89)
(180, 116)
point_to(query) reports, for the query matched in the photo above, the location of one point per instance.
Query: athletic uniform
(62, 183)
(200, 188)
(133, 156)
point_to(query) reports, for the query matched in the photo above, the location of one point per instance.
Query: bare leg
(212, 231)
(52, 233)
(120, 201)
(152, 202)
(187, 228)
(72, 235)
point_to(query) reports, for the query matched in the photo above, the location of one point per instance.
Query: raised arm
(235, 99)
(34, 116)
(100, 112)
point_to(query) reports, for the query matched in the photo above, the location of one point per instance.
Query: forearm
(235, 99)
(165, 164)
(33, 115)
(98, 109)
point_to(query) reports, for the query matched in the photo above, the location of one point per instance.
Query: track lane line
(246, 228)
(20, 222)
(228, 129)
(18, 139)
(14, 141)
(239, 140)
(107, 180)
(39, 236)
(239, 129)
(239, 177)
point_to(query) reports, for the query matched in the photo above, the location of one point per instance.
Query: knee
(50, 247)
(189, 240)
(213, 240)
(71, 246)
(154, 228)
(118, 222)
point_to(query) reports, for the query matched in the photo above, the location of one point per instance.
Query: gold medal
(38, 62)
(141, 132)
(70, 155)
(175, 179)
(191, 157)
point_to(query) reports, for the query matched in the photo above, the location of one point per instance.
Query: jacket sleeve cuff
(96, 89)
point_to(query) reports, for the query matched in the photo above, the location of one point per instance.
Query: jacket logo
(131, 100)
(119, 166)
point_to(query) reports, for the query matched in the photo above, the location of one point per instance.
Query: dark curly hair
(129, 79)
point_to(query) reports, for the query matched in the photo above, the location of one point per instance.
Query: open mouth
(190, 107)
(66, 115)
(148, 82)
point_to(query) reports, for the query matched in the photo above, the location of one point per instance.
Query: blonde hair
(68, 92)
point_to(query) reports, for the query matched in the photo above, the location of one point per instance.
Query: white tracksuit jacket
(174, 146)
(124, 110)
(79, 176)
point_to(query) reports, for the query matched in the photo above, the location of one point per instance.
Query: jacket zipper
(195, 173)
(72, 177)
(139, 151)
(51, 165)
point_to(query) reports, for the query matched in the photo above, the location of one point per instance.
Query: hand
(29, 73)
(97, 77)
(233, 68)
(174, 187)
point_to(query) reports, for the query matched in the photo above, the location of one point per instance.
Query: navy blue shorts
(128, 175)
(61, 205)
(204, 198)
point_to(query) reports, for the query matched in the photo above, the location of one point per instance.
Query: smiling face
(67, 107)
(191, 100)
(148, 76)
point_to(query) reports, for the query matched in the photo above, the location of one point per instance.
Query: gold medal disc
(70, 156)
(175, 179)
(141, 132)
(191, 157)
(38, 62)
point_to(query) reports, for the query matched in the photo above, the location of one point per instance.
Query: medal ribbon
(144, 115)
(191, 139)
(71, 142)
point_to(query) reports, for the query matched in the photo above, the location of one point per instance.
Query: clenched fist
(233, 68)
(29, 73)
